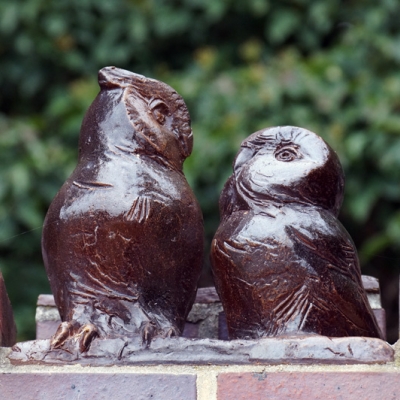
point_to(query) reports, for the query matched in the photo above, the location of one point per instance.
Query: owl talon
(170, 332)
(86, 334)
(63, 333)
(148, 332)
(68, 330)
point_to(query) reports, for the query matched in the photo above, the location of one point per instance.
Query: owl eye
(287, 154)
(159, 110)
(159, 116)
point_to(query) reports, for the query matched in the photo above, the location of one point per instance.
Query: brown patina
(123, 238)
(283, 263)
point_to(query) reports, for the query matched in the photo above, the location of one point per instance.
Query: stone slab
(8, 329)
(370, 283)
(311, 349)
(97, 386)
(45, 330)
(46, 300)
(309, 385)
(380, 315)
(207, 295)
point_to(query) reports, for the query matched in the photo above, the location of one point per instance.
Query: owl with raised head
(123, 239)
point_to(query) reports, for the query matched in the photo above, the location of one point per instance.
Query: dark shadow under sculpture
(283, 263)
(123, 239)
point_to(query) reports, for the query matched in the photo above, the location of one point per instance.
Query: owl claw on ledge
(84, 335)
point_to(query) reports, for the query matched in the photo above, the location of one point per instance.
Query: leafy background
(332, 67)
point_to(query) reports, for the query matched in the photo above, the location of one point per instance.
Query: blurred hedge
(331, 67)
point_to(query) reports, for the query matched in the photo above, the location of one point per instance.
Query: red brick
(8, 330)
(97, 386)
(309, 385)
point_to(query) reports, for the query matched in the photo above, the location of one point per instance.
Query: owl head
(140, 113)
(283, 165)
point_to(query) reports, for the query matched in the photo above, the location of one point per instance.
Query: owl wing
(230, 201)
(230, 258)
(339, 256)
(335, 260)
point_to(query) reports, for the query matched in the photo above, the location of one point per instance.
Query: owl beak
(186, 144)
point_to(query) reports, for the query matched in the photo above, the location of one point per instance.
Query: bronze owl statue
(123, 239)
(283, 263)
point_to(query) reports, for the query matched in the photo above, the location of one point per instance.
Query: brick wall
(187, 382)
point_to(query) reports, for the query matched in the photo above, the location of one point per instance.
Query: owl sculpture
(123, 239)
(283, 263)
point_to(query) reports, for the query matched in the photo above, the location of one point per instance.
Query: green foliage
(331, 67)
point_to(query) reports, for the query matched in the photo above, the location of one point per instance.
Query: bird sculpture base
(303, 349)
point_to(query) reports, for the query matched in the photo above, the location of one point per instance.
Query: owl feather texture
(123, 239)
(283, 263)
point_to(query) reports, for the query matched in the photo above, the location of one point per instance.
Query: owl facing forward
(283, 263)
